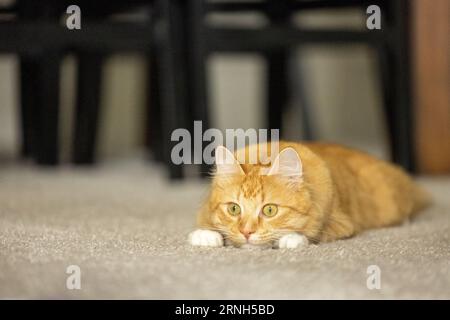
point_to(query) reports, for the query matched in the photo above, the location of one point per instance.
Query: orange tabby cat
(312, 192)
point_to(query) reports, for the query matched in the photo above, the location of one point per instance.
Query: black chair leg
(28, 115)
(153, 126)
(87, 107)
(306, 114)
(404, 149)
(197, 58)
(395, 73)
(47, 107)
(171, 72)
(277, 69)
(277, 87)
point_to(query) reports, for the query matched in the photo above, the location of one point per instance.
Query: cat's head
(255, 204)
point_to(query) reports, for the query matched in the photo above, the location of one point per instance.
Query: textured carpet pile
(126, 228)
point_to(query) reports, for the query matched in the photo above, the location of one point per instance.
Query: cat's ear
(287, 164)
(226, 163)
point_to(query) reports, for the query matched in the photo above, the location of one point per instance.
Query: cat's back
(364, 182)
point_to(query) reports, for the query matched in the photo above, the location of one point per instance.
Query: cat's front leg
(292, 240)
(205, 238)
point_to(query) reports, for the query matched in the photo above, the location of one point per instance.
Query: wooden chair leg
(431, 69)
(87, 107)
(47, 106)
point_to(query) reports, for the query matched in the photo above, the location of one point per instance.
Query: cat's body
(319, 192)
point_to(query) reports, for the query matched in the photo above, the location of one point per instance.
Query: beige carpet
(125, 227)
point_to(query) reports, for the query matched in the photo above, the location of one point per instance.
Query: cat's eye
(234, 209)
(269, 210)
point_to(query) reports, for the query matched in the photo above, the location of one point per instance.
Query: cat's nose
(247, 233)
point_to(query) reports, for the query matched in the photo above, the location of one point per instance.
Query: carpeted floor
(126, 228)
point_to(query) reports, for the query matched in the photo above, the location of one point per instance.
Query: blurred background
(102, 97)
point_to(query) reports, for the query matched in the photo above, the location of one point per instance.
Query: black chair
(167, 87)
(178, 41)
(275, 42)
(39, 81)
(41, 41)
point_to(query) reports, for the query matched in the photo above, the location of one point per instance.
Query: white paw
(205, 238)
(292, 241)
